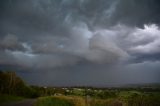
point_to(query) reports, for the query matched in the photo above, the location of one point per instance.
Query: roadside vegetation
(13, 88)
(53, 101)
(4, 98)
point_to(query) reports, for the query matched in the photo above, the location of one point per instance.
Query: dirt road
(28, 102)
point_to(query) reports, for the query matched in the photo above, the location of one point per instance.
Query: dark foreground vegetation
(13, 88)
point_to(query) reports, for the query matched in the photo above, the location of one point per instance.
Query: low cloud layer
(70, 36)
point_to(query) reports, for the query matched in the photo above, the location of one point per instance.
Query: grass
(60, 101)
(107, 102)
(53, 101)
(75, 101)
(9, 98)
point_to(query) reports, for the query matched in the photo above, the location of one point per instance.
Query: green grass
(105, 102)
(53, 101)
(9, 98)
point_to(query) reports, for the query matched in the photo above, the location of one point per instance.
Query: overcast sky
(81, 42)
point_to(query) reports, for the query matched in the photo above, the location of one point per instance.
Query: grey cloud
(34, 61)
(135, 12)
(139, 43)
(111, 45)
(82, 43)
(5, 57)
(147, 40)
(11, 42)
(103, 49)
(43, 17)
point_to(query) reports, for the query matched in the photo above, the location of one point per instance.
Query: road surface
(28, 102)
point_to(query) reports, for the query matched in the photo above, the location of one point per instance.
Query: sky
(81, 42)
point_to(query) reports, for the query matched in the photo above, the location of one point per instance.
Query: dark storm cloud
(76, 35)
(137, 12)
(42, 17)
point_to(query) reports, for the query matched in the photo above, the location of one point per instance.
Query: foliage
(11, 84)
(145, 99)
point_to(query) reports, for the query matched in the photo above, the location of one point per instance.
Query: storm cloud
(104, 41)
